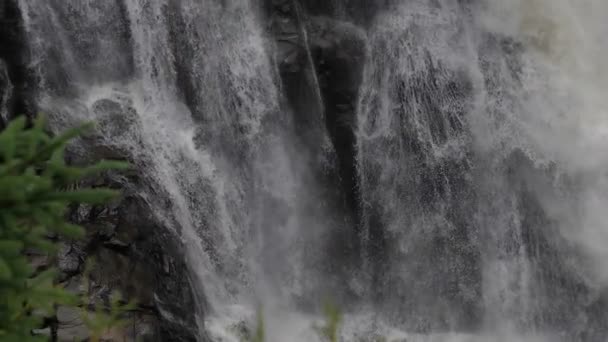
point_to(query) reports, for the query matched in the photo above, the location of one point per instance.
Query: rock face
(128, 250)
(321, 56)
(13, 61)
(130, 253)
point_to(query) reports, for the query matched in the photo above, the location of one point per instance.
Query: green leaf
(43, 278)
(33, 203)
(70, 230)
(90, 196)
(260, 330)
(11, 248)
(35, 135)
(8, 141)
(5, 270)
(105, 165)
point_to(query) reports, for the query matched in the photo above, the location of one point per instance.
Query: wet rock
(116, 135)
(360, 12)
(71, 326)
(339, 51)
(320, 61)
(13, 53)
(6, 89)
(70, 259)
(127, 250)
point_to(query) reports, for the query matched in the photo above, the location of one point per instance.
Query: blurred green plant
(330, 330)
(99, 319)
(333, 318)
(245, 334)
(34, 199)
(260, 330)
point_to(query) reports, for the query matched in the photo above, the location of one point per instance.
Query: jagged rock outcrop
(128, 252)
(131, 253)
(131, 250)
(334, 52)
(13, 63)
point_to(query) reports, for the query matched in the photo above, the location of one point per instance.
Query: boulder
(116, 135)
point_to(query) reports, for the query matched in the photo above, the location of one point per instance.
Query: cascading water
(415, 165)
(467, 125)
(480, 171)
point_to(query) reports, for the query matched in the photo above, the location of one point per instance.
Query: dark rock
(360, 12)
(13, 52)
(320, 61)
(117, 246)
(116, 135)
(339, 51)
(129, 251)
(70, 259)
(6, 90)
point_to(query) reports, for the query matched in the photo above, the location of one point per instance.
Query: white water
(566, 118)
(551, 110)
(509, 78)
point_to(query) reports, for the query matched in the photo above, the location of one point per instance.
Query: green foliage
(245, 334)
(99, 319)
(33, 202)
(329, 331)
(260, 332)
(333, 318)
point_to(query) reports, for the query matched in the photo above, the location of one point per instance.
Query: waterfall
(415, 164)
(471, 195)
(188, 92)
(479, 164)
